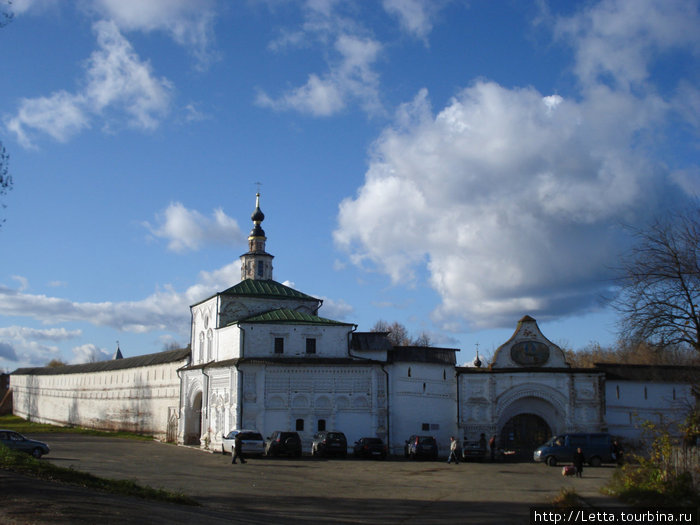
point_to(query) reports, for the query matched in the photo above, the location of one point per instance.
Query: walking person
(578, 462)
(238, 449)
(492, 447)
(453, 451)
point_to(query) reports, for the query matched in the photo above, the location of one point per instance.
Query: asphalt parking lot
(301, 490)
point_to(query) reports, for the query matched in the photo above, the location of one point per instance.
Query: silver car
(252, 441)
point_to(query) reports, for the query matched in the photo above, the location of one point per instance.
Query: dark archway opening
(194, 423)
(523, 433)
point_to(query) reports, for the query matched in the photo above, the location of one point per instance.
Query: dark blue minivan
(596, 448)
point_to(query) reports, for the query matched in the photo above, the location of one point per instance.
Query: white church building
(261, 357)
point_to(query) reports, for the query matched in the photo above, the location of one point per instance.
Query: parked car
(252, 441)
(421, 447)
(370, 447)
(329, 444)
(283, 444)
(596, 448)
(17, 441)
(473, 450)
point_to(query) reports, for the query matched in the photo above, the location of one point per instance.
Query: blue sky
(451, 165)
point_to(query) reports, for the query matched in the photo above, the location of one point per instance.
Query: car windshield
(335, 435)
(426, 440)
(252, 436)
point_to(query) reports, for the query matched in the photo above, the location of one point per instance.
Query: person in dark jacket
(237, 449)
(578, 462)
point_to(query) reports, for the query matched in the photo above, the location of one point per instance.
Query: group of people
(454, 447)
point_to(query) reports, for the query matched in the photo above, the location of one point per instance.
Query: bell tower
(257, 263)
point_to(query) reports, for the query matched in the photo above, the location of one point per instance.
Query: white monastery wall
(423, 402)
(630, 403)
(143, 399)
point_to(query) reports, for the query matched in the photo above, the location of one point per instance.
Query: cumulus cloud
(512, 198)
(117, 83)
(187, 229)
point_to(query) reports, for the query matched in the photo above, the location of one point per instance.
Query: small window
(260, 268)
(279, 345)
(310, 345)
(674, 394)
(617, 391)
(444, 374)
(425, 427)
(645, 392)
(300, 425)
(409, 371)
(321, 425)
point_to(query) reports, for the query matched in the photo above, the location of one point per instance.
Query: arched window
(409, 371)
(300, 425)
(200, 355)
(321, 426)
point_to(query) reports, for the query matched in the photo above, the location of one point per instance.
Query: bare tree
(659, 300)
(398, 334)
(6, 16)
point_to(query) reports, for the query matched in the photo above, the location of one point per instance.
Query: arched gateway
(528, 394)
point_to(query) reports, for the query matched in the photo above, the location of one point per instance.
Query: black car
(329, 444)
(421, 447)
(17, 441)
(473, 450)
(283, 444)
(370, 447)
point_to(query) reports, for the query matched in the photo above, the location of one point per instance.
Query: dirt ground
(282, 490)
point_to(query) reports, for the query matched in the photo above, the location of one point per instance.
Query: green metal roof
(266, 288)
(287, 315)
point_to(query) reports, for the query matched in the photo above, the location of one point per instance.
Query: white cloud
(188, 23)
(116, 83)
(350, 77)
(89, 353)
(415, 16)
(31, 346)
(615, 40)
(188, 229)
(508, 199)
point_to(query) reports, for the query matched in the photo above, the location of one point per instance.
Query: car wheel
(552, 461)
(594, 461)
(37, 453)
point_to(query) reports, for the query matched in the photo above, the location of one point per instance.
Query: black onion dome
(258, 215)
(257, 231)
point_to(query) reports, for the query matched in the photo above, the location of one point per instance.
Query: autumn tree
(659, 300)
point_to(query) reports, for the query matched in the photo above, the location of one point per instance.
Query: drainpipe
(388, 411)
(459, 411)
(206, 403)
